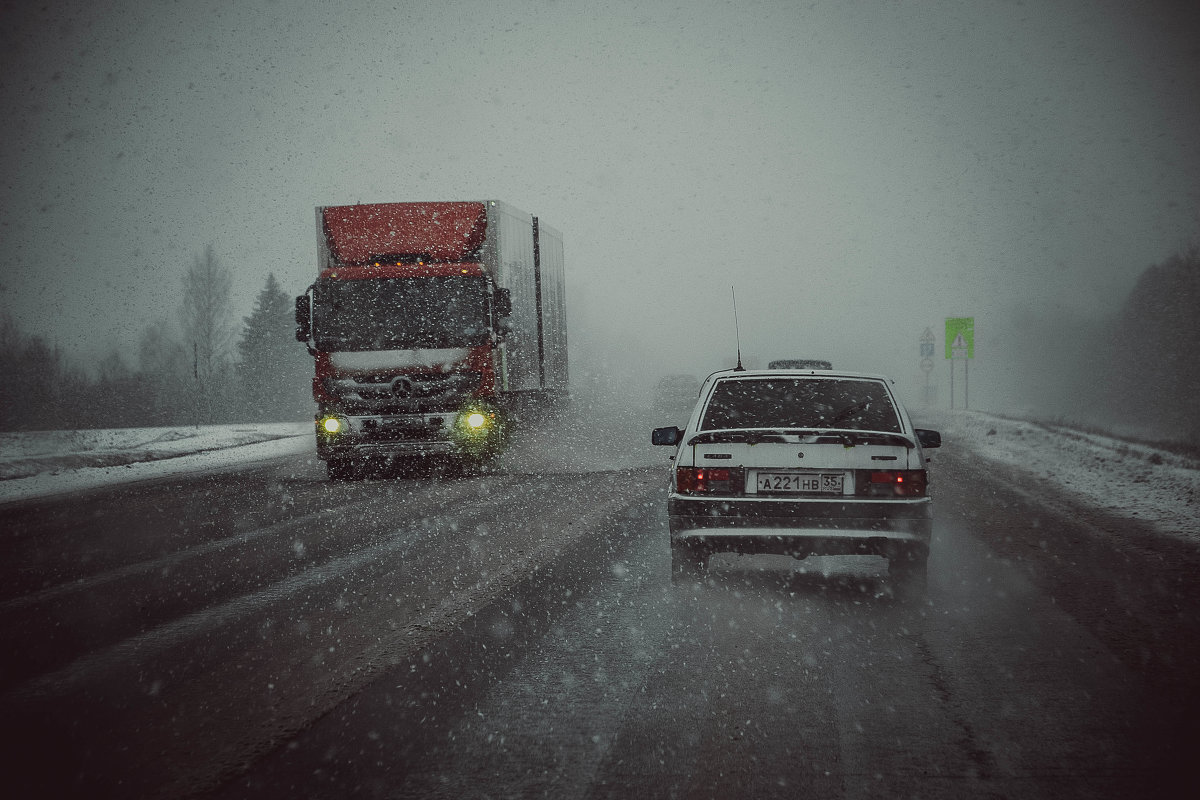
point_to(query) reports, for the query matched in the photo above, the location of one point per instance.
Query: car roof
(793, 373)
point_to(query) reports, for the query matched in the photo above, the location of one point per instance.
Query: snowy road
(262, 632)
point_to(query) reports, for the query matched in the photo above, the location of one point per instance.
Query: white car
(800, 463)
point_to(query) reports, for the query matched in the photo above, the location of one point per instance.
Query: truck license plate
(801, 482)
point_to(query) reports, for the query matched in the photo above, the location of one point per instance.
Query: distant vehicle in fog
(800, 464)
(799, 363)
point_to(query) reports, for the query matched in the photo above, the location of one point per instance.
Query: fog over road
(262, 632)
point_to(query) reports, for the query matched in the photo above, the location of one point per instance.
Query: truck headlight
(331, 425)
(477, 423)
(479, 430)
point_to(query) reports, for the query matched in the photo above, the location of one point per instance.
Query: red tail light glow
(892, 483)
(706, 480)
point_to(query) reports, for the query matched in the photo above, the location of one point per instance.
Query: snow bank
(48, 463)
(1108, 474)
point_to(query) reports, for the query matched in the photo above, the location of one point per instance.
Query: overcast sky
(859, 170)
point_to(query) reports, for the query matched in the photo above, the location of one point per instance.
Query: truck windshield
(801, 403)
(400, 313)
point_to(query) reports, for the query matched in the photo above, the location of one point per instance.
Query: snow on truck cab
(431, 325)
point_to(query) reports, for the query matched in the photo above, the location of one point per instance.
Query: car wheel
(908, 572)
(688, 563)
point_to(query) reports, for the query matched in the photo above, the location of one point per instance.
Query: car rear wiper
(850, 411)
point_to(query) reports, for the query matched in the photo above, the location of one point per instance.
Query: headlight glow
(331, 424)
(478, 431)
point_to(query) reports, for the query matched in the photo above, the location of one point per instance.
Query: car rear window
(846, 404)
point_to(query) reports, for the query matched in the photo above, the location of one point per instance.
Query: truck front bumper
(415, 434)
(383, 450)
(386, 435)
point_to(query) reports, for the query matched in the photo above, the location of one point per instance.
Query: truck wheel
(908, 572)
(688, 563)
(467, 466)
(339, 469)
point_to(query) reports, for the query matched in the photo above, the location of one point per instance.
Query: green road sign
(960, 337)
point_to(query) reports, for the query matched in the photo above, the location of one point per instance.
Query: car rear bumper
(800, 528)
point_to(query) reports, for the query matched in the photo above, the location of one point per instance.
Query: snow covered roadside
(48, 463)
(1119, 477)
(1124, 479)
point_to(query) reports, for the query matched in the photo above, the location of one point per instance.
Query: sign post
(926, 343)
(960, 346)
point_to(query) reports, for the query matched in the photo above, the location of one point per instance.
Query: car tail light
(892, 483)
(708, 480)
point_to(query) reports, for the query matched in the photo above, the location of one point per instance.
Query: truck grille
(384, 393)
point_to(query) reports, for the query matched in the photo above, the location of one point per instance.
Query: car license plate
(801, 482)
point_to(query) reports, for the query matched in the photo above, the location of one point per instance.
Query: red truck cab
(418, 348)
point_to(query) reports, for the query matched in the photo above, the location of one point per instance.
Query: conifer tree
(274, 370)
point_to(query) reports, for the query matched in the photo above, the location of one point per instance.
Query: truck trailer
(434, 327)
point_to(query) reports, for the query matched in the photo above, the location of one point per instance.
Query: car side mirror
(666, 436)
(928, 438)
(303, 318)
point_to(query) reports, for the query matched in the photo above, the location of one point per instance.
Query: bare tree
(165, 367)
(208, 330)
(115, 398)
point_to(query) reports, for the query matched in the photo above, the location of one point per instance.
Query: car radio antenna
(736, 334)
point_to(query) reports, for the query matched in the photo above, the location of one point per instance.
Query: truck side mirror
(503, 302)
(303, 318)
